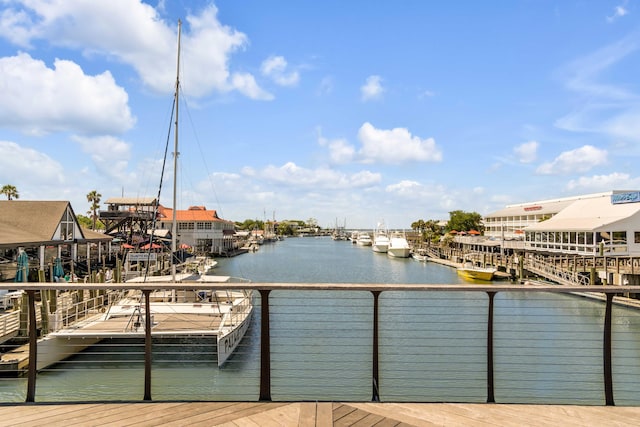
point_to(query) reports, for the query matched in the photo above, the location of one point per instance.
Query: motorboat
(471, 271)
(398, 246)
(364, 239)
(419, 257)
(380, 239)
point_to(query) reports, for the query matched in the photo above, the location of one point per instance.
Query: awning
(595, 214)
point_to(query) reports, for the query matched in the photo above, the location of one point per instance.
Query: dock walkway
(313, 414)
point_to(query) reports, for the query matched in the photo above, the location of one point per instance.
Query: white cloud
(133, 33)
(26, 167)
(295, 176)
(340, 151)
(618, 12)
(597, 183)
(246, 84)
(275, 67)
(38, 100)
(527, 152)
(109, 154)
(605, 107)
(372, 89)
(395, 146)
(574, 161)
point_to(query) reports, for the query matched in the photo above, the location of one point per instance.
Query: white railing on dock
(9, 325)
(553, 272)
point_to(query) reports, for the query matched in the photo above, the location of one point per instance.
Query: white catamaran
(196, 312)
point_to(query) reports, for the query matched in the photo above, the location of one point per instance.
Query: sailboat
(225, 314)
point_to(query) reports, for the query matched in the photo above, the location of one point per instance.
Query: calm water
(547, 348)
(323, 260)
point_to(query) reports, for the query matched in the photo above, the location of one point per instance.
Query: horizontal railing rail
(478, 340)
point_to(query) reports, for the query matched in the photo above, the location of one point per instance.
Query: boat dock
(314, 414)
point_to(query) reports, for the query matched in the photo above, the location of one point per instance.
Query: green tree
(285, 229)
(94, 198)
(250, 224)
(84, 221)
(418, 225)
(464, 221)
(10, 191)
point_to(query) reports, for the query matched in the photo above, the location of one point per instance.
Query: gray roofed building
(35, 223)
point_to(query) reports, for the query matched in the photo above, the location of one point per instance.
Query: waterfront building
(509, 223)
(604, 224)
(199, 228)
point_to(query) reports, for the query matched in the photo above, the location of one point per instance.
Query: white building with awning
(601, 224)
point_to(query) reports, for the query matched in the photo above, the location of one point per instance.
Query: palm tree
(94, 198)
(10, 191)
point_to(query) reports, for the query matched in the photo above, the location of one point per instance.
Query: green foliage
(285, 229)
(464, 221)
(10, 191)
(250, 224)
(94, 198)
(429, 229)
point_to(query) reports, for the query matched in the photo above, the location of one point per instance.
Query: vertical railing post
(147, 345)
(490, 384)
(608, 371)
(265, 347)
(33, 347)
(375, 373)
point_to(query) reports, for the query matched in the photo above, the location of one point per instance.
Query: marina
(432, 339)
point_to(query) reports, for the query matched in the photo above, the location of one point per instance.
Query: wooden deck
(313, 414)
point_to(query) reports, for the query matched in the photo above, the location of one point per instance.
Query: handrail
(548, 269)
(377, 290)
(255, 286)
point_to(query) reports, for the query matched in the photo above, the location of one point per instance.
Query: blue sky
(347, 111)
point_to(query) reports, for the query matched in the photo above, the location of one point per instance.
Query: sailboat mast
(174, 222)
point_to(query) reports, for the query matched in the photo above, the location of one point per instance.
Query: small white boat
(364, 239)
(419, 257)
(380, 239)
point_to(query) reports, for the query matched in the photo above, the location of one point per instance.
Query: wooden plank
(341, 410)
(370, 420)
(307, 415)
(324, 414)
(350, 418)
(41, 414)
(214, 415)
(188, 412)
(287, 415)
(133, 414)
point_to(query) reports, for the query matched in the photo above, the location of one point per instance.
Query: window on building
(67, 226)
(619, 237)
